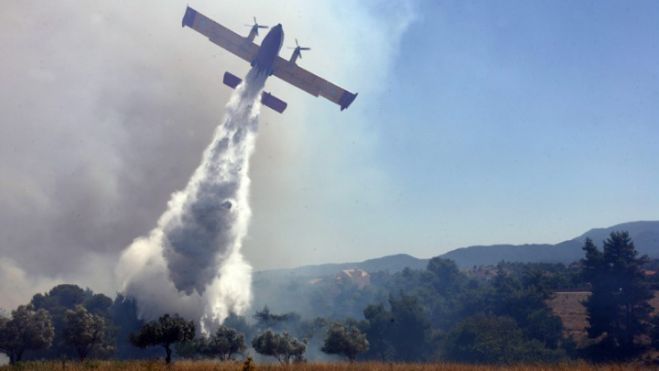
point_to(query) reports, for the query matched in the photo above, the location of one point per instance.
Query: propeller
(298, 48)
(255, 27)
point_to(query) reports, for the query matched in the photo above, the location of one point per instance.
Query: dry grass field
(236, 366)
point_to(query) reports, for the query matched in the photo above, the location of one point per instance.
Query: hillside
(390, 263)
(306, 289)
(309, 290)
(644, 233)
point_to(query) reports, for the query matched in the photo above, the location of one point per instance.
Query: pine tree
(618, 309)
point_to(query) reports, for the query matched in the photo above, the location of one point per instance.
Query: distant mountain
(311, 290)
(390, 263)
(645, 235)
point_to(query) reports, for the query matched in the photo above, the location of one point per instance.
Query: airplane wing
(312, 84)
(220, 35)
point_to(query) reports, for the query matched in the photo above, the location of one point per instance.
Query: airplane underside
(266, 58)
(267, 99)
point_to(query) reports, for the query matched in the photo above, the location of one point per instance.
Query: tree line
(440, 313)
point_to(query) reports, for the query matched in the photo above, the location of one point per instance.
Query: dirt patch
(568, 305)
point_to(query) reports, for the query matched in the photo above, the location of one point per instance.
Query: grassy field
(231, 366)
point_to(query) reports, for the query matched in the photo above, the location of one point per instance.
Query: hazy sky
(477, 122)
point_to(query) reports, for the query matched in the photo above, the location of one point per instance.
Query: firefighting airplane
(266, 58)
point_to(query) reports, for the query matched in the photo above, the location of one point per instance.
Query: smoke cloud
(108, 106)
(191, 262)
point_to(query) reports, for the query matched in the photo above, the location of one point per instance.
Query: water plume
(191, 262)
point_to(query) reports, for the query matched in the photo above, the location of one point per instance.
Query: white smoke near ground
(191, 262)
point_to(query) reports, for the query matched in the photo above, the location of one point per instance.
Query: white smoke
(191, 262)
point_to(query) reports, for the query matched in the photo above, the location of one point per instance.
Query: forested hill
(644, 233)
(391, 263)
(312, 290)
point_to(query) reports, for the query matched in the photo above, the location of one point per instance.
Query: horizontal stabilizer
(267, 99)
(231, 80)
(273, 102)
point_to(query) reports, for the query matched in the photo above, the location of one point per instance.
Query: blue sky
(521, 121)
(476, 123)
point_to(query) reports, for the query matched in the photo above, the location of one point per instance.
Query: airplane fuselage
(265, 59)
(269, 50)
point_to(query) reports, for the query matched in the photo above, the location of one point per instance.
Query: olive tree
(345, 340)
(284, 347)
(223, 344)
(86, 332)
(166, 331)
(28, 329)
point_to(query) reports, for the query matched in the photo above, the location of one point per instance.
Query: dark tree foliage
(553, 276)
(87, 332)
(654, 332)
(190, 349)
(446, 279)
(441, 288)
(282, 346)
(224, 343)
(524, 299)
(60, 296)
(290, 322)
(239, 323)
(98, 304)
(411, 328)
(125, 321)
(57, 302)
(28, 329)
(265, 319)
(166, 331)
(346, 340)
(377, 328)
(402, 333)
(618, 309)
(487, 339)
(445, 296)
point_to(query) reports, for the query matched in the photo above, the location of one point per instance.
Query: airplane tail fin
(267, 99)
